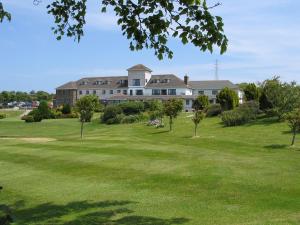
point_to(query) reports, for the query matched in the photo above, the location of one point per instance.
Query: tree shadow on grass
(88, 213)
(276, 146)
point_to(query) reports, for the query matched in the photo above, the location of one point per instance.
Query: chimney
(186, 79)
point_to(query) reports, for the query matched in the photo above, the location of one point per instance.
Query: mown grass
(135, 174)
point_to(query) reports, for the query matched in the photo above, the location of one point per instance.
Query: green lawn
(134, 174)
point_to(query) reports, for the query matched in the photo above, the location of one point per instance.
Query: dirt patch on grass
(30, 140)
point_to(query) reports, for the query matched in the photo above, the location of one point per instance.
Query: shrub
(66, 109)
(37, 115)
(111, 113)
(131, 108)
(44, 110)
(28, 118)
(233, 118)
(131, 119)
(115, 120)
(2, 115)
(241, 115)
(250, 110)
(213, 110)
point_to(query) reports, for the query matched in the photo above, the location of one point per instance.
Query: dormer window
(98, 82)
(83, 82)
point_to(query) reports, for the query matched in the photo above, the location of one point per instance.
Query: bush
(66, 109)
(241, 115)
(250, 110)
(213, 110)
(131, 108)
(233, 118)
(28, 118)
(44, 110)
(115, 120)
(131, 119)
(111, 114)
(2, 116)
(37, 115)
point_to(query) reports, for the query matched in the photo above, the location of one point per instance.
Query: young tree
(172, 108)
(228, 99)
(293, 119)
(200, 104)
(147, 24)
(251, 92)
(85, 106)
(197, 118)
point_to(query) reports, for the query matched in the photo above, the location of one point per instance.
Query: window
(80, 92)
(200, 92)
(103, 92)
(87, 92)
(118, 91)
(131, 92)
(111, 92)
(136, 82)
(214, 92)
(94, 92)
(155, 91)
(172, 91)
(98, 82)
(139, 92)
(163, 92)
(187, 102)
(124, 92)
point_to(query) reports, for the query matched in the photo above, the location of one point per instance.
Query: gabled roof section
(139, 67)
(212, 84)
(165, 81)
(68, 86)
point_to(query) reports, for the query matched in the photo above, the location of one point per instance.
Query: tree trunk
(81, 130)
(196, 130)
(170, 123)
(294, 138)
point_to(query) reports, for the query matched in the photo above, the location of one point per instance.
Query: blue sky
(264, 38)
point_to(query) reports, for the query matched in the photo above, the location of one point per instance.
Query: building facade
(141, 85)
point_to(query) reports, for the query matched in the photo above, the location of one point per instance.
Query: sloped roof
(112, 82)
(212, 84)
(139, 67)
(173, 81)
(70, 85)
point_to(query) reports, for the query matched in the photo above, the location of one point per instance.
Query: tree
(282, 98)
(251, 92)
(197, 118)
(4, 14)
(85, 106)
(200, 103)
(293, 119)
(228, 99)
(172, 108)
(146, 23)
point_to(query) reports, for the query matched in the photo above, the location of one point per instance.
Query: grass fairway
(134, 174)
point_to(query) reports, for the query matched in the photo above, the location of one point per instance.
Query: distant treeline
(19, 96)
